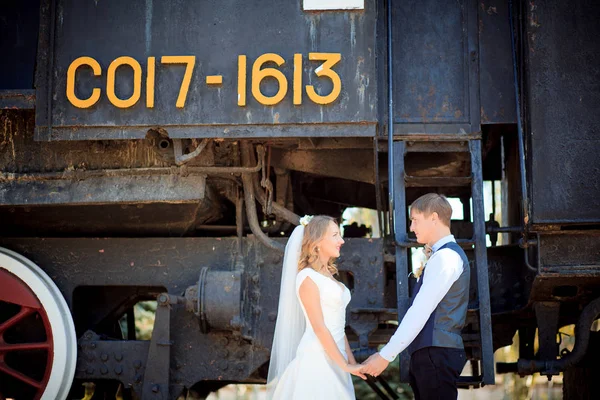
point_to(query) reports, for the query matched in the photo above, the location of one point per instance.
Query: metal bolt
(118, 356)
(137, 364)
(104, 370)
(155, 389)
(118, 370)
(163, 298)
(104, 357)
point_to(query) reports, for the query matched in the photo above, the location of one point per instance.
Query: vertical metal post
(156, 376)
(390, 125)
(400, 236)
(483, 289)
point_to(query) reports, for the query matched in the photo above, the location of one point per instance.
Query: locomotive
(163, 151)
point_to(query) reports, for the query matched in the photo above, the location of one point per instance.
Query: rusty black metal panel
(126, 189)
(18, 42)
(569, 266)
(564, 97)
(17, 99)
(436, 81)
(570, 252)
(496, 76)
(216, 33)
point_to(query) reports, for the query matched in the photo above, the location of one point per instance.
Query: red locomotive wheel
(37, 336)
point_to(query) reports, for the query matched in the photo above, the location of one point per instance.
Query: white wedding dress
(312, 375)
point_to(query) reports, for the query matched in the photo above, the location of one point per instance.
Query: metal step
(436, 181)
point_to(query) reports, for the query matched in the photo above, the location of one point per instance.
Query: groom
(432, 325)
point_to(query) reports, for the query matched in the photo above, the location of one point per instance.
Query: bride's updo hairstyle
(314, 231)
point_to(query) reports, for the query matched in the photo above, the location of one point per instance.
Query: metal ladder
(479, 314)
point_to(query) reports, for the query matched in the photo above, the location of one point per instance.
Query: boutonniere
(427, 250)
(419, 271)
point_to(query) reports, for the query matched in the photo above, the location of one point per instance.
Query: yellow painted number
(259, 74)
(76, 101)
(297, 90)
(330, 59)
(150, 80)
(242, 59)
(137, 82)
(190, 61)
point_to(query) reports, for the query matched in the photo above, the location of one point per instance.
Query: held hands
(356, 369)
(375, 365)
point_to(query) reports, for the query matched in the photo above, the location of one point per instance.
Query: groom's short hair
(433, 202)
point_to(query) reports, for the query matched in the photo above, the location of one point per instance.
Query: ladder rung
(437, 147)
(436, 181)
(414, 243)
(465, 382)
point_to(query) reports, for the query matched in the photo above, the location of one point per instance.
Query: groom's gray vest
(443, 327)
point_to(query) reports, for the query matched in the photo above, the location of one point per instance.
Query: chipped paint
(148, 26)
(352, 32)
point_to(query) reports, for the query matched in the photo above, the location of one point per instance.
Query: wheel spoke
(8, 347)
(25, 311)
(23, 378)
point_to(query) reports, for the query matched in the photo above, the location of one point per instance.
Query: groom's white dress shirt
(443, 269)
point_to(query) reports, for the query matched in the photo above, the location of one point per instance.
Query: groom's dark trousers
(434, 372)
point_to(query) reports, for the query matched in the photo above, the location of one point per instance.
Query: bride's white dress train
(312, 375)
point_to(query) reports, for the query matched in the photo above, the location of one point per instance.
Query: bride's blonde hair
(314, 231)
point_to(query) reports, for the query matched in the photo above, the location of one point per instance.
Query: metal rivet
(118, 370)
(104, 370)
(104, 357)
(118, 356)
(163, 298)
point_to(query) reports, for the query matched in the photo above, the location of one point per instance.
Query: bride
(311, 357)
